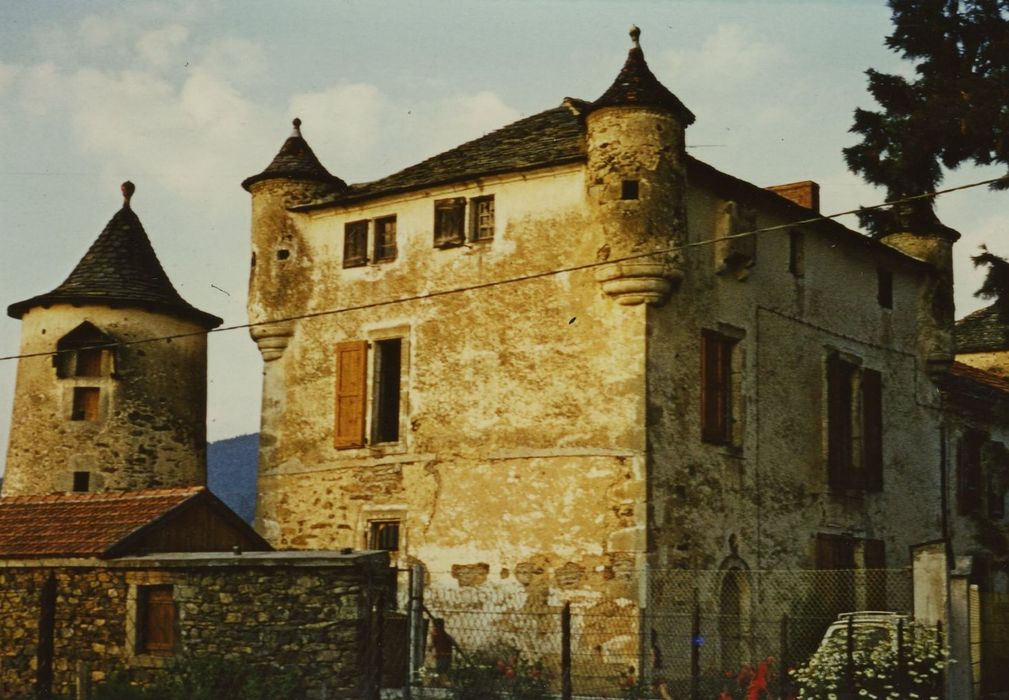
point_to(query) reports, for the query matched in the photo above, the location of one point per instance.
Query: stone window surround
(136, 581)
(469, 212)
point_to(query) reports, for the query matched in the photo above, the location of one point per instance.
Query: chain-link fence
(712, 635)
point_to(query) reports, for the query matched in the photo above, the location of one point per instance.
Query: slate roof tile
(985, 330)
(119, 269)
(637, 86)
(296, 161)
(81, 524)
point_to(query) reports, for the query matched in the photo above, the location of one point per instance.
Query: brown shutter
(715, 358)
(872, 429)
(159, 620)
(838, 422)
(351, 376)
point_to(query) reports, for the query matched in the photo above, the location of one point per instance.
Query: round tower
(279, 280)
(111, 387)
(636, 178)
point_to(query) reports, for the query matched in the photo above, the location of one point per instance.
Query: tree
(954, 111)
(996, 281)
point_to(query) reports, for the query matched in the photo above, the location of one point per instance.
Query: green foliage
(875, 668)
(996, 282)
(210, 679)
(955, 110)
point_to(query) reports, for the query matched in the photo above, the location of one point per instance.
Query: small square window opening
(82, 482)
(629, 189)
(384, 535)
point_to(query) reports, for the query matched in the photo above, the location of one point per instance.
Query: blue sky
(187, 98)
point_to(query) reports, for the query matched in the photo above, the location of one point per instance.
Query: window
(859, 581)
(85, 403)
(796, 254)
(969, 472)
(449, 222)
(884, 288)
(355, 244)
(82, 482)
(155, 620)
(719, 388)
(388, 359)
(629, 189)
(854, 426)
(384, 534)
(85, 351)
(385, 238)
(483, 218)
(352, 392)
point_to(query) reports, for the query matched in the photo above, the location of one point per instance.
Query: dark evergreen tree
(955, 110)
(996, 282)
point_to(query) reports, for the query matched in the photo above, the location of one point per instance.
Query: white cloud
(729, 58)
(158, 47)
(98, 31)
(238, 60)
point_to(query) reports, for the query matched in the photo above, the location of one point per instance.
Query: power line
(522, 278)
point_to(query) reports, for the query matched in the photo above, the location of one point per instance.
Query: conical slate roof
(295, 161)
(637, 86)
(119, 269)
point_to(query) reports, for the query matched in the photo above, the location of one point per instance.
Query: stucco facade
(557, 429)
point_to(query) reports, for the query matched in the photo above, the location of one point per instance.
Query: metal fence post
(849, 661)
(784, 654)
(566, 687)
(695, 650)
(901, 660)
(415, 609)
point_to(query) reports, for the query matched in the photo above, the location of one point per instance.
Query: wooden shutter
(874, 559)
(715, 387)
(872, 429)
(351, 381)
(159, 620)
(838, 422)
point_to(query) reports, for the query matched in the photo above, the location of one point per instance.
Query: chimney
(805, 193)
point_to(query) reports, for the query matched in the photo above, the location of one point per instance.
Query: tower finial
(128, 188)
(635, 35)
(297, 127)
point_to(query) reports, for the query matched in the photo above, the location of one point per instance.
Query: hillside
(231, 472)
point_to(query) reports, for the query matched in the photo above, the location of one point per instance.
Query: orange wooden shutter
(351, 380)
(872, 429)
(159, 624)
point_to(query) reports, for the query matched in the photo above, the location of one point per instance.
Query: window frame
(363, 394)
(384, 245)
(455, 208)
(355, 243)
(386, 390)
(146, 616)
(721, 407)
(86, 404)
(854, 425)
(376, 534)
(475, 219)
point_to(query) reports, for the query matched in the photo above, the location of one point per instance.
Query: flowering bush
(874, 665)
(504, 674)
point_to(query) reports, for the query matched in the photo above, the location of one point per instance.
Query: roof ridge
(93, 496)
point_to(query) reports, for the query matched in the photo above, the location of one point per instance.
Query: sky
(186, 99)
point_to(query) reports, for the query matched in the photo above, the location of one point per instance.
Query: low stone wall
(307, 612)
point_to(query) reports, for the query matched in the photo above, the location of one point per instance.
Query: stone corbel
(272, 338)
(634, 282)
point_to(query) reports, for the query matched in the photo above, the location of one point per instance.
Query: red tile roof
(974, 388)
(81, 524)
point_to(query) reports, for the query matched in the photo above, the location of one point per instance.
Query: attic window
(385, 238)
(355, 244)
(629, 189)
(483, 217)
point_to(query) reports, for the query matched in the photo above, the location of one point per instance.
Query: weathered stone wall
(151, 427)
(309, 616)
(520, 461)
